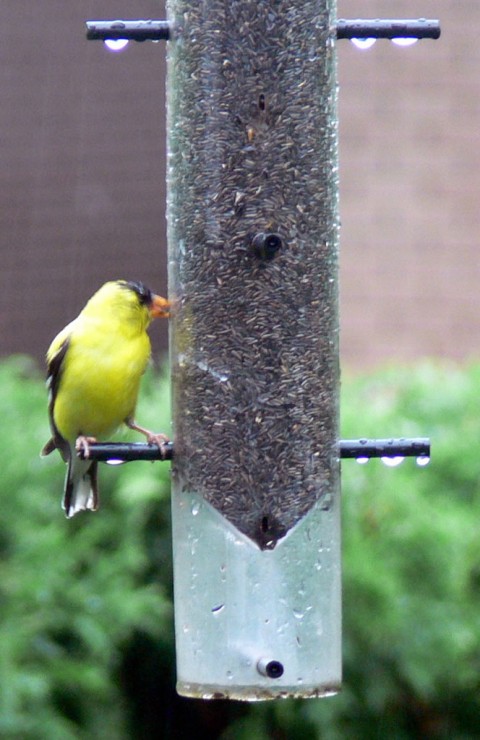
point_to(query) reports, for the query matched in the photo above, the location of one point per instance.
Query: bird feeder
(253, 274)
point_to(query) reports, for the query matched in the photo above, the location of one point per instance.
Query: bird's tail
(81, 491)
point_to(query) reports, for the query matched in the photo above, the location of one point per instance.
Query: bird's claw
(82, 446)
(158, 439)
(153, 438)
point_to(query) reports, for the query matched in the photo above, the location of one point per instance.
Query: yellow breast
(100, 380)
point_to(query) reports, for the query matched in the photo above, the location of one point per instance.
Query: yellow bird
(95, 365)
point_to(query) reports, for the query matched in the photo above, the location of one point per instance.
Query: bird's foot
(159, 439)
(153, 438)
(82, 446)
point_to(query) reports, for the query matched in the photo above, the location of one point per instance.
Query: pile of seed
(252, 220)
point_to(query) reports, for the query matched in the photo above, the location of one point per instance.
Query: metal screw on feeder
(265, 246)
(270, 668)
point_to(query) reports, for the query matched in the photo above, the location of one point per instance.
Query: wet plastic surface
(252, 224)
(252, 221)
(240, 611)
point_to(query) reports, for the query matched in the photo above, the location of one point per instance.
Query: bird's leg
(83, 445)
(153, 438)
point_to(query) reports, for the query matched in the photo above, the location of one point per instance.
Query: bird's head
(156, 306)
(129, 301)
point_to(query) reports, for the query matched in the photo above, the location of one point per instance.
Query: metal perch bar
(127, 452)
(155, 30)
(141, 30)
(353, 448)
(377, 28)
(349, 448)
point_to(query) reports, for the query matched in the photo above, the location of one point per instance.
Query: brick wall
(410, 176)
(82, 166)
(82, 180)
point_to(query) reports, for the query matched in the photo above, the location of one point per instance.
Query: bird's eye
(144, 294)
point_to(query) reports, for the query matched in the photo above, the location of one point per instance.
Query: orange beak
(159, 307)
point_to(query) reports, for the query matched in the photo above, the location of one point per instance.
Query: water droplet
(222, 377)
(404, 41)
(392, 462)
(116, 44)
(229, 675)
(113, 461)
(195, 508)
(363, 43)
(193, 544)
(423, 460)
(298, 614)
(362, 460)
(217, 609)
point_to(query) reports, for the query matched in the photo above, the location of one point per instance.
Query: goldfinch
(95, 365)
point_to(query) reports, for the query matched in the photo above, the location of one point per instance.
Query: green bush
(72, 592)
(85, 615)
(411, 562)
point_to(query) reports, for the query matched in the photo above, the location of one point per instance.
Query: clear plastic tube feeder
(253, 236)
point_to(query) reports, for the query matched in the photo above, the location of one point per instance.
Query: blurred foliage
(86, 606)
(73, 593)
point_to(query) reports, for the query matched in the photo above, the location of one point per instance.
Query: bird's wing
(55, 364)
(55, 359)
